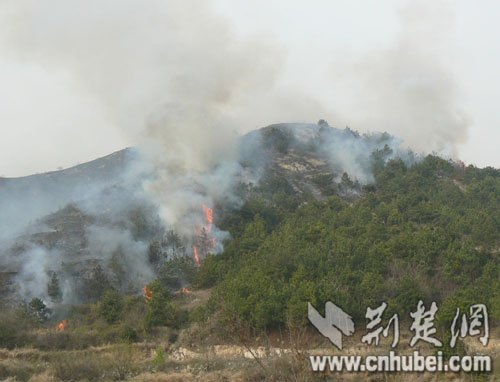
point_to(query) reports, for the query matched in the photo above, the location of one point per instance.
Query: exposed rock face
(301, 171)
(293, 153)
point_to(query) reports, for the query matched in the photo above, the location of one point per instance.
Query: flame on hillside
(148, 294)
(204, 243)
(196, 257)
(62, 326)
(209, 215)
(183, 291)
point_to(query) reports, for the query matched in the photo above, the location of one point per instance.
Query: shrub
(159, 358)
(122, 363)
(85, 367)
(161, 309)
(128, 334)
(15, 370)
(39, 310)
(95, 285)
(177, 271)
(29, 315)
(277, 139)
(7, 337)
(111, 306)
(53, 341)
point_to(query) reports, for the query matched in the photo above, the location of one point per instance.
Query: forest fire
(196, 257)
(62, 326)
(209, 215)
(148, 294)
(183, 291)
(204, 243)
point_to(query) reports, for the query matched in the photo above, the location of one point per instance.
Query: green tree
(161, 310)
(38, 310)
(111, 306)
(53, 289)
(96, 284)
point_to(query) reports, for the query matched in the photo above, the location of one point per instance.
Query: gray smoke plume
(352, 153)
(176, 80)
(171, 74)
(407, 88)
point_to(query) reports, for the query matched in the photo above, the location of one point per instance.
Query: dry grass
(45, 376)
(194, 299)
(140, 363)
(17, 369)
(24, 354)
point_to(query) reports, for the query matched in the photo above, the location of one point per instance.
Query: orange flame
(61, 326)
(209, 214)
(196, 257)
(148, 294)
(204, 243)
(183, 290)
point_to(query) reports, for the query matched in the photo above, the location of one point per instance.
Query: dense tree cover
(429, 231)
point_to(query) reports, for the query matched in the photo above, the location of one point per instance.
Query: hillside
(97, 216)
(429, 231)
(334, 216)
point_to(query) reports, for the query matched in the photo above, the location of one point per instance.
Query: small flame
(61, 326)
(183, 290)
(209, 214)
(148, 294)
(196, 257)
(205, 242)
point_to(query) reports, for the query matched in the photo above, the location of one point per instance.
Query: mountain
(96, 216)
(304, 214)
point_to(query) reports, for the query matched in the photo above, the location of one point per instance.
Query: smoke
(343, 150)
(84, 217)
(169, 72)
(30, 278)
(24, 200)
(120, 252)
(408, 87)
(347, 151)
(173, 77)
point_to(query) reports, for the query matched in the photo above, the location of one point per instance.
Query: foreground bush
(88, 367)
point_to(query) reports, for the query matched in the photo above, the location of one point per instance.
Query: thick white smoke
(171, 74)
(174, 78)
(408, 88)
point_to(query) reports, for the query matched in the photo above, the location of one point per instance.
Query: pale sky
(47, 120)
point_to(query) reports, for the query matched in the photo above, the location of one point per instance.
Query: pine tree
(53, 289)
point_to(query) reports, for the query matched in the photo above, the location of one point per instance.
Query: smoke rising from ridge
(408, 88)
(171, 74)
(175, 79)
(176, 75)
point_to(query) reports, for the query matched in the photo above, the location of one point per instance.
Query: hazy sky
(352, 57)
